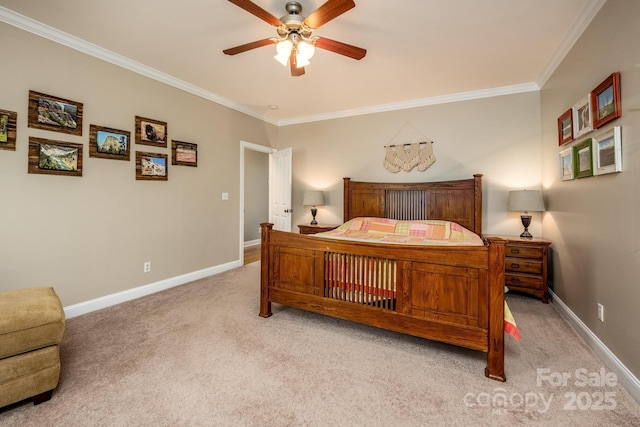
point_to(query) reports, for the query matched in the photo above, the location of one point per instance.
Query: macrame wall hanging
(406, 156)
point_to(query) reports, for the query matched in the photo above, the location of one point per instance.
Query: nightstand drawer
(522, 265)
(523, 251)
(526, 265)
(530, 282)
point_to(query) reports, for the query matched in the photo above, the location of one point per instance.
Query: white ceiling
(419, 52)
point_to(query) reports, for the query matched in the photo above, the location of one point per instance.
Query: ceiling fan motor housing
(293, 8)
(293, 22)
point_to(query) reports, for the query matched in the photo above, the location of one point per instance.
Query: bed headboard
(459, 201)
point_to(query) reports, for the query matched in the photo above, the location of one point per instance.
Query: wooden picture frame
(8, 130)
(50, 157)
(109, 143)
(151, 166)
(565, 127)
(582, 122)
(605, 101)
(583, 159)
(608, 152)
(151, 132)
(55, 114)
(566, 164)
(184, 153)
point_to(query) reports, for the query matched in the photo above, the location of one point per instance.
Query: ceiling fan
(295, 43)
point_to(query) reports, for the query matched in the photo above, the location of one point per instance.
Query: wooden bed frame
(449, 294)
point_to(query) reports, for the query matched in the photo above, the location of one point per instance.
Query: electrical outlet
(600, 312)
(146, 267)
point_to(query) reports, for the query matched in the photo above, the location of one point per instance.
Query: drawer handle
(515, 280)
(514, 265)
(515, 251)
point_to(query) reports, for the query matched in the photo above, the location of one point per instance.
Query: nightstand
(318, 228)
(525, 265)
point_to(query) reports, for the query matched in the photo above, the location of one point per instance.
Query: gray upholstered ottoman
(31, 327)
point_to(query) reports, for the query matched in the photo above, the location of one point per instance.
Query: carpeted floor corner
(199, 355)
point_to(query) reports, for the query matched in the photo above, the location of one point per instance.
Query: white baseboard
(252, 243)
(629, 381)
(130, 294)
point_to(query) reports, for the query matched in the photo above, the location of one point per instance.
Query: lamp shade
(283, 49)
(313, 198)
(525, 201)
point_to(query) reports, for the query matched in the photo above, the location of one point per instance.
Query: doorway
(254, 197)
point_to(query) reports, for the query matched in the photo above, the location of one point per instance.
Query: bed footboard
(449, 294)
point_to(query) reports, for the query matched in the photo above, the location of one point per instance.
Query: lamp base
(314, 211)
(526, 221)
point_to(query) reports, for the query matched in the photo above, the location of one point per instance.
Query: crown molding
(445, 99)
(35, 27)
(582, 21)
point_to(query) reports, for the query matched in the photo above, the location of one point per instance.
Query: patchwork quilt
(384, 230)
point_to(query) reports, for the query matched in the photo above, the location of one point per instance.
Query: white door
(280, 188)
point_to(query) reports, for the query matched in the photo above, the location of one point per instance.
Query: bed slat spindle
(406, 205)
(360, 279)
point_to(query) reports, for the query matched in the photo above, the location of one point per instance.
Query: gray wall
(256, 193)
(593, 222)
(498, 137)
(89, 236)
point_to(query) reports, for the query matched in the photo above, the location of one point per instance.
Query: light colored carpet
(200, 355)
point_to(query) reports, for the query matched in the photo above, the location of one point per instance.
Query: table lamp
(313, 198)
(525, 201)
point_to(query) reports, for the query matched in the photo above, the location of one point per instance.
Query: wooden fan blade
(328, 11)
(293, 64)
(341, 48)
(256, 10)
(296, 72)
(247, 46)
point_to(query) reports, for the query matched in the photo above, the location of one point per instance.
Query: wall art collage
(56, 157)
(585, 152)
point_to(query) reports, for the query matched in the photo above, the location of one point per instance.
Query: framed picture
(565, 127)
(53, 113)
(583, 159)
(151, 132)
(151, 166)
(608, 152)
(8, 121)
(582, 117)
(108, 143)
(566, 164)
(184, 153)
(605, 101)
(54, 157)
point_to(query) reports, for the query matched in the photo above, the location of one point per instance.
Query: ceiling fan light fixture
(284, 46)
(282, 58)
(306, 49)
(301, 61)
(283, 49)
